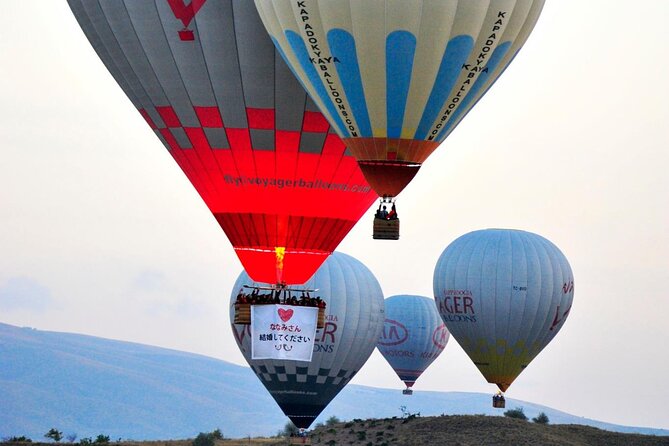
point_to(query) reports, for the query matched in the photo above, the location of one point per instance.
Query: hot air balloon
(413, 336)
(208, 81)
(394, 78)
(503, 294)
(354, 320)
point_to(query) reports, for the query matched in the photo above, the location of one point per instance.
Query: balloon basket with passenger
(498, 401)
(386, 222)
(301, 437)
(407, 391)
(279, 294)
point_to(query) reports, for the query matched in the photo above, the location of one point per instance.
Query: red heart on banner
(285, 315)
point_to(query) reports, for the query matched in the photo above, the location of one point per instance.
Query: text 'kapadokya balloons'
(394, 78)
(207, 79)
(353, 321)
(504, 295)
(413, 335)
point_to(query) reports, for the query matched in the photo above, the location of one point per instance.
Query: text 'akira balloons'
(353, 321)
(413, 335)
(394, 78)
(207, 79)
(504, 295)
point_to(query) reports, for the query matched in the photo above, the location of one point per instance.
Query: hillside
(472, 430)
(87, 386)
(457, 430)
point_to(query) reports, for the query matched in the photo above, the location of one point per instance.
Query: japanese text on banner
(283, 332)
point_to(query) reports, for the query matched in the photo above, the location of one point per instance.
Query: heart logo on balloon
(285, 315)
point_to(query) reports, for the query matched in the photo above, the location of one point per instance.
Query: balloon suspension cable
(280, 287)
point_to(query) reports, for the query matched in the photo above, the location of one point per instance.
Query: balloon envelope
(208, 81)
(354, 319)
(413, 335)
(504, 295)
(394, 78)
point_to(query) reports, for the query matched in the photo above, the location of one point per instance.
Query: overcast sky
(102, 234)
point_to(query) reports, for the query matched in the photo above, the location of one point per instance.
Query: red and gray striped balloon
(208, 81)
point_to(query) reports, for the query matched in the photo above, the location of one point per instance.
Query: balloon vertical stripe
(400, 49)
(300, 50)
(343, 48)
(481, 82)
(454, 57)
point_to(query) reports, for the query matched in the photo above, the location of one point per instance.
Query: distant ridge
(89, 386)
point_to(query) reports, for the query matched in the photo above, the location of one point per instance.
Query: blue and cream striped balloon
(395, 77)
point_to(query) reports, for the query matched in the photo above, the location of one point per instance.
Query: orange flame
(280, 253)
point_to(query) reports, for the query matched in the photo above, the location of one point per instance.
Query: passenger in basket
(392, 215)
(381, 212)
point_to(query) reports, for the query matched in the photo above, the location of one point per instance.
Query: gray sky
(102, 234)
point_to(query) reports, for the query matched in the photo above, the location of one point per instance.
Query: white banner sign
(283, 332)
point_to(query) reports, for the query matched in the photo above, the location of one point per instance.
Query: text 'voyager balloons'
(394, 78)
(353, 321)
(207, 79)
(413, 336)
(504, 295)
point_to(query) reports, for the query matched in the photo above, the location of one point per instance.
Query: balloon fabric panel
(208, 81)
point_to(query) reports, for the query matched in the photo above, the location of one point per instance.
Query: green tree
(54, 434)
(217, 434)
(21, 439)
(102, 439)
(204, 439)
(542, 418)
(289, 430)
(85, 441)
(516, 413)
(332, 421)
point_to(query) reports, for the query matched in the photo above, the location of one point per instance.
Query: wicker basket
(499, 403)
(320, 322)
(243, 314)
(386, 229)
